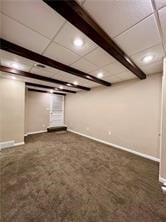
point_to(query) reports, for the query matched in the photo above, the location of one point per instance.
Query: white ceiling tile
(40, 88)
(71, 78)
(162, 16)
(160, 3)
(152, 68)
(45, 89)
(114, 68)
(9, 59)
(61, 54)
(120, 77)
(157, 52)
(112, 78)
(99, 57)
(65, 76)
(87, 83)
(42, 83)
(30, 80)
(116, 16)
(141, 36)
(83, 65)
(126, 76)
(34, 14)
(104, 72)
(23, 36)
(67, 35)
(47, 71)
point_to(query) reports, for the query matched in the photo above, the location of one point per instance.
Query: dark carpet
(63, 177)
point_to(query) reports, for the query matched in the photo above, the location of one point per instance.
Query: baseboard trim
(19, 144)
(35, 132)
(13, 144)
(6, 144)
(117, 146)
(162, 180)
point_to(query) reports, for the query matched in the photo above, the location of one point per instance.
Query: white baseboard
(9, 144)
(6, 144)
(162, 180)
(117, 146)
(35, 132)
(19, 144)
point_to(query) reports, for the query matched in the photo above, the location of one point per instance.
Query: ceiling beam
(42, 78)
(26, 53)
(78, 17)
(49, 87)
(44, 91)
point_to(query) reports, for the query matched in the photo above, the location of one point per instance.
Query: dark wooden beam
(77, 16)
(19, 50)
(49, 87)
(44, 91)
(38, 77)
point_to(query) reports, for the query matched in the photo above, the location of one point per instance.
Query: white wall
(129, 110)
(163, 126)
(12, 102)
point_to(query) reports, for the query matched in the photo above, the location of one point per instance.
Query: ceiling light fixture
(40, 66)
(68, 84)
(100, 75)
(88, 77)
(75, 83)
(15, 65)
(78, 42)
(13, 77)
(147, 58)
(60, 87)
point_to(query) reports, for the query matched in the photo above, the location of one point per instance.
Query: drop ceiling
(138, 27)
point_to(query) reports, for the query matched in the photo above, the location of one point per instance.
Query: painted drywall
(37, 106)
(126, 114)
(163, 126)
(12, 103)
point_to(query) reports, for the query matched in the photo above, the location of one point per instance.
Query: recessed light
(60, 87)
(147, 58)
(88, 77)
(78, 42)
(51, 91)
(68, 84)
(40, 66)
(15, 65)
(13, 77)
(100, 75)
(75, 83)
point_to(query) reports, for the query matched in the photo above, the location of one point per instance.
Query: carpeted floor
(63, 177)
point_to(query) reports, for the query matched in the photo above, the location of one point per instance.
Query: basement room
(83, 111)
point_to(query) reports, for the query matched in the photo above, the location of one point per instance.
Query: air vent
(40, 66)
